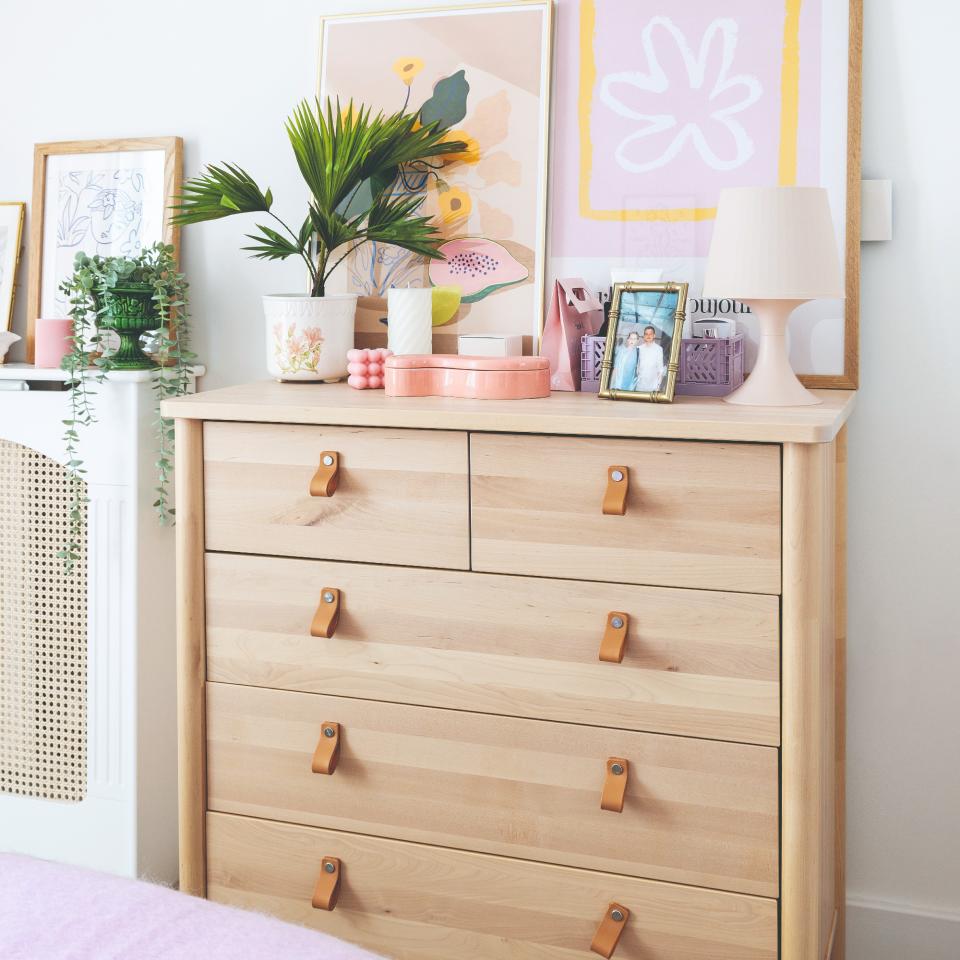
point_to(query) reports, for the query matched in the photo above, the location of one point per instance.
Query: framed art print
(661, 106)
(11, 230)
(107, 197)
(483, 73)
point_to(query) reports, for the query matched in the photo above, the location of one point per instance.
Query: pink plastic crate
(591, 359)
(710, 368)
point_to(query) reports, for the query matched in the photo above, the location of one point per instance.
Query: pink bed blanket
(52, 912)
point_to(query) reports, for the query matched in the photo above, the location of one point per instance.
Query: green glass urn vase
(130, 312)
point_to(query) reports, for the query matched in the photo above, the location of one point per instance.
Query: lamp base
(772, 382)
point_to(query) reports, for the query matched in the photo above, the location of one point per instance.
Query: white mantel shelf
(692, 418)
(26, 371)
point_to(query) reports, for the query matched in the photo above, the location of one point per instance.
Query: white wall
(224, 74)
(904, 654)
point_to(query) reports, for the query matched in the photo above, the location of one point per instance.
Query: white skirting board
(890, 931)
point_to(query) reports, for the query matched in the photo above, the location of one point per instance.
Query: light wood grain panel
(809, 705)
(415, 902)
(698, 515)
(687, 418)
(191, 656)
(696, 811)
(840, 759)
(697, 662)
(402, 496)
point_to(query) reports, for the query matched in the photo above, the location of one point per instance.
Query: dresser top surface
(687, 418)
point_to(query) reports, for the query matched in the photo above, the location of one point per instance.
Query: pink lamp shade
(52, 342)
(773, 248)
(773, 243)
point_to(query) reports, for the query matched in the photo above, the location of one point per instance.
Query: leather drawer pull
(325, 480)
(615, 786)
(327, 891)
(327, 617)
(615, 499)
(614, 640)
(607, 937)
(327, 755)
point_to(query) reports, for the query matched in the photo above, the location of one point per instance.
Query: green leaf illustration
(448, 105)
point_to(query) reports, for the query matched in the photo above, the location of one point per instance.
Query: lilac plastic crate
(710, 368)
(591, 359)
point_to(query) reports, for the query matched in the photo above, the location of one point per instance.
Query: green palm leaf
(350, 160)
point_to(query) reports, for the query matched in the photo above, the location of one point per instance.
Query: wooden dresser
(434, 700)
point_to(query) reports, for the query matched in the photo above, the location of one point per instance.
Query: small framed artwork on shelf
(642, 353)
(11, 228)
(106, 197)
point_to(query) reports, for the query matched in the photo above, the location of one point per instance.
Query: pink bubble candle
(366, 368)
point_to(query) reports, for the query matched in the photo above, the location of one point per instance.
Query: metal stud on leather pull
(327, 755)
(326, 893)
(327, 617)
(615, 785)
(615, 497)
(608, 934)
(327, 477)
(614, 640)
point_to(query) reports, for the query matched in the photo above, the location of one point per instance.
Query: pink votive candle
(52, 342)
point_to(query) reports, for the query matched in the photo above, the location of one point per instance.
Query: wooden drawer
(415, 902)
(695, 811)
(702, 515)
(699, 663)
(402, 495)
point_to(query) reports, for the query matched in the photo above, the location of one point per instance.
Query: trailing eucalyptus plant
(350, 160)
(89, 290)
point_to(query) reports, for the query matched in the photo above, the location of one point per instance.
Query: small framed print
(642, 355)
(107, 197)
(11, 228)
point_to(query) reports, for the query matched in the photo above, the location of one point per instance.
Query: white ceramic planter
(308, 337)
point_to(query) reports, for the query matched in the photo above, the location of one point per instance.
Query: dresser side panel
(808, 789)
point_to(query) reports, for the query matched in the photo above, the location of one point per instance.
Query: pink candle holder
(53, 341)
(366, 368)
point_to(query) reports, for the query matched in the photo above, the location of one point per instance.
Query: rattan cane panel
(43, 632)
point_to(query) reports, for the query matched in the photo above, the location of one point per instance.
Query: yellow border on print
(789, 118)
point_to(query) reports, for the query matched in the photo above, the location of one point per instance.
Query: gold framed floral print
(11, 233)
(111, 197)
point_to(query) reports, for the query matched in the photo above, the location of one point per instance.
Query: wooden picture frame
(11, 240)
(850, 378)
(171, 175)
(622, 313)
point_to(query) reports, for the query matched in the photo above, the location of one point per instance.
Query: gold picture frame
(646, 314)
(12, 221)
(172, 181)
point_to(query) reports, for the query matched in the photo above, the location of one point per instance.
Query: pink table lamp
(773, 248)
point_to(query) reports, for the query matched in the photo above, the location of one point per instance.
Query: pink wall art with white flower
(658, 106)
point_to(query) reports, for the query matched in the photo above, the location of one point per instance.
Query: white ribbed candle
(410, 320)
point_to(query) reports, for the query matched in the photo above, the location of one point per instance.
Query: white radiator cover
(126, 821)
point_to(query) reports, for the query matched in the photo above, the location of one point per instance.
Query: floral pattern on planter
(297, 351)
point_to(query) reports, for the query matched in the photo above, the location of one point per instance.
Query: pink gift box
(52, 342)
(470, 378)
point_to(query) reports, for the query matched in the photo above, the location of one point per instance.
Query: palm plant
(350, 160)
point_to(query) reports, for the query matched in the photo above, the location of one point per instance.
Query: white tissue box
(490, 345)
